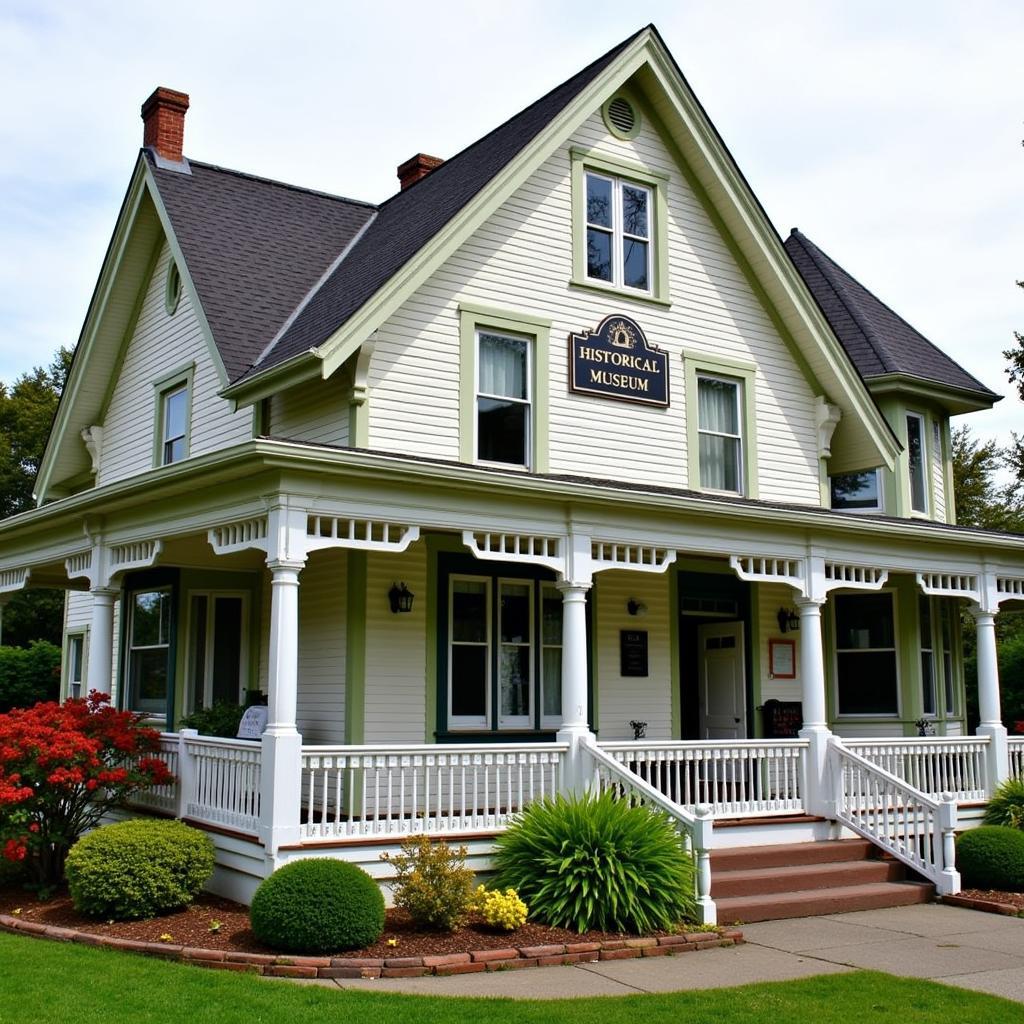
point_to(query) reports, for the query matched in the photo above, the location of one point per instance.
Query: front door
(723, 684)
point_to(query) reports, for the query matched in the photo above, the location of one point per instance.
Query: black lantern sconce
(401, 598)
(789, 621)
(635, 607)
(639, 729)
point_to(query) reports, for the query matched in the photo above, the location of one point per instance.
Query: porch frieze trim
(630, 555)
(546, 550)
(770, 569)
(13, 580)
(952, 584)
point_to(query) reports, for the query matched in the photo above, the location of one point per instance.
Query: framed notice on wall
(782, 659)
(633, 652)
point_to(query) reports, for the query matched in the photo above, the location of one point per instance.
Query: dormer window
(619, 217)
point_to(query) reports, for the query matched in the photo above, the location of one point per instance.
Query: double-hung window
(857, 492)
(504, 654)
(174, 424)
(503, 398)
(149, 648)
(76, 664)
(867, 678)
(720, 438)
(917, 462)
(619, 216)
(928, 702)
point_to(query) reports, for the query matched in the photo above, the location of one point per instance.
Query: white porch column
(281, 769)
(818, 799)
(991, 724)
(101, 639)
(575, 729)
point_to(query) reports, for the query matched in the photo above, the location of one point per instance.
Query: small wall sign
(253, 722)
(783, 719)
(616, 361)
(633, 652)
(782, 659)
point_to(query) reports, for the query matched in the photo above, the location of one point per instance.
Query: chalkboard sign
(254, 721)
(783, 719)
(633, 652)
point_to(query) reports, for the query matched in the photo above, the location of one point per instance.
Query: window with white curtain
(720, 436)
(503, 398)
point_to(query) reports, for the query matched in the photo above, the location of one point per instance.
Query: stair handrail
(898, 818)
(696, 828)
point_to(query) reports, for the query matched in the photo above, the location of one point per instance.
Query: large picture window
(719, 422)
(503, 399)
(867, 676)
(149, 649)
(504, 654)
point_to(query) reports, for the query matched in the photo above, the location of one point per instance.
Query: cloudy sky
(890, 133)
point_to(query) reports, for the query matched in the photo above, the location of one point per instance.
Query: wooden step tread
(739, 858)
(815, 902)
(797, 877)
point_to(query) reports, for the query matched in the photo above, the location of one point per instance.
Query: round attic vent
(621, 117)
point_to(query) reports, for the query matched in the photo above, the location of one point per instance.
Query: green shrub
(1007, 805)
(318, 906)
(597, 863)
(28, 675)
(991, 857)
(432, 883)
(222, 719)
(139, 868)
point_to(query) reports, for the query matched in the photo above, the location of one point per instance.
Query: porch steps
(765, 883)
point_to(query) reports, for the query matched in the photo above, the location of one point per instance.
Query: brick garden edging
(988, 906)
(512, 958)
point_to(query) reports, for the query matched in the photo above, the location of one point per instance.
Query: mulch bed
(402, 950)
(994, 901)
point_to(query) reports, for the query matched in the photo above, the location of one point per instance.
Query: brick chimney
(416, 167)
(163, 115)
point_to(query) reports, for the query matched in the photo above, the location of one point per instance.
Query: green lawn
(48, 982)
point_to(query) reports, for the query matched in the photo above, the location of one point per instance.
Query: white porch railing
(736, 778)
(608, 773)
(162, 798)
(934, 765)
(894, 815)
(351, 792)
(220, 782)
(1015, 744)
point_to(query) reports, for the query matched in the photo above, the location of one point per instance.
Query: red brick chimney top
(416, 167)
(163, 115)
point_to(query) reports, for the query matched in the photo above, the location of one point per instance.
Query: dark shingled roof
(877, 340)
(254, 249)
(411, 218)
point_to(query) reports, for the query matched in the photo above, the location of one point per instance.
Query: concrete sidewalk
(948, 944)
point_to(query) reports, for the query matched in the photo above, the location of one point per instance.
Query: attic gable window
(172, 416)
(618, 232)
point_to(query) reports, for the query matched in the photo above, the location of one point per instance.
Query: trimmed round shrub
(1007, 805)
(137, 869)
(597, 863)
(317, 906)
(991, 857)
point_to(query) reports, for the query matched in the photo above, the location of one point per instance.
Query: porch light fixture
(400, 597)
(789, 621)
(635, 607)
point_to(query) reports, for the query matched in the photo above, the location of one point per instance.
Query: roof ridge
(282, 184)
(813, 252)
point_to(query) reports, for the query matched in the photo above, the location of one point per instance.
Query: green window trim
(584, 160)
(70, 637)
(474, 317)
(183, 376)
(696, 364)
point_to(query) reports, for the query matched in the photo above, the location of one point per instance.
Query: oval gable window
(173, 293)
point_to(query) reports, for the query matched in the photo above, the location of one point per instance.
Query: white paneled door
(722, 681)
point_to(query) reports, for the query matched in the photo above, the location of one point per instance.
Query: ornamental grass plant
(597, 863)
(1006, 807)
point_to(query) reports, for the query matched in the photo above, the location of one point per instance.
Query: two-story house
(557, 468)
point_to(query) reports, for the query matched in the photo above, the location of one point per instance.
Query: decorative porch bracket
(768, 569)
(13, 580)
(103, 563)
(524, 548)
(606, 554)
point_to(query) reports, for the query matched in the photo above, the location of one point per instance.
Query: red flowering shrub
(62, 767)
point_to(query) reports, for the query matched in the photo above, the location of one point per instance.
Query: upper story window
(719, 421)
(917, 461)
(619, 215)
(174, 422)
(857, 492)
(503, 400)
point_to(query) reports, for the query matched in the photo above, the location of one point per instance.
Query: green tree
(27, 408)
(981, 500)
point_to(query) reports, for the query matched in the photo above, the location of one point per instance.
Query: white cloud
(890, 133)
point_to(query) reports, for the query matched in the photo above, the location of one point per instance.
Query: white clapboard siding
(768, 598)
(77, 610)
(78, 616)
(520, 260)
(322, 624)
(160, 345)
(315, 411)
(396, 654)
(937, 470)
(622, 700)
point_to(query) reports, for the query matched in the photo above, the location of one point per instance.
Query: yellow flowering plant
(500, 909)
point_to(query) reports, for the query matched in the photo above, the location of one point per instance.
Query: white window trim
(513, 722)
(879, 490)
(528, 401)
(737, 384)
(464, 722)
(619, 234)
(243, 672)
(925, 466)
(837, 650)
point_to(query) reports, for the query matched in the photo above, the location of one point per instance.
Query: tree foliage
(981, 499)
